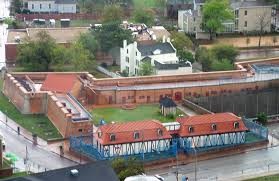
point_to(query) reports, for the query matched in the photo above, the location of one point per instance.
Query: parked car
(3, 141)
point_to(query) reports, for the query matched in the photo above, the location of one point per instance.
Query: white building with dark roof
(52, 6)
(158, 53)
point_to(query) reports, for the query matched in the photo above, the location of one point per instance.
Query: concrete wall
(46, 6)
(195, 107)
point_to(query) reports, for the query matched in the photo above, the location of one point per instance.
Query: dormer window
(136, 135)
(112, 137)
(160, 132)
(214, 127)
(99, 134)
(191, 129)
(236, 125)
(157, 52)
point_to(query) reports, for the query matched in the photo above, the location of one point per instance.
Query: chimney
(124, 43)
(164, 39)
(135, 44)
(168, 40)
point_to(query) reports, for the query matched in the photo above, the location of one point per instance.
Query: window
(245, 24)
(127, 51)
(112, 137)
(190, 129)
(236, 125)
(127, 59)
(99, 134)
(141, 97)
(40, 6)
(79, 130)
(136, 72)
(49, 6)
(214, 127)
(245, 12)
(136, 135)
(136, 53)
(32, 6)
(160, 132)
(236, 13)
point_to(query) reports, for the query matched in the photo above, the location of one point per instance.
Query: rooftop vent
(74, 172)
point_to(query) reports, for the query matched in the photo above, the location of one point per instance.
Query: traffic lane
(38, 155)
(229, 167)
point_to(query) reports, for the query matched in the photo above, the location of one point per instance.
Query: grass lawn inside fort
(38, 124)
(266, 178)
(141, 112)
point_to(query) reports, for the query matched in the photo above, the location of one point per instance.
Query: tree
(146, 68)
(247, 41)
(112, 13)
(145, 16)
(262, 118)
(274, 40)
(214, 13)
(111, 35)
(89, 42)
(222, 65)
(227, 52)
(15, 6)
(186, 56)
(37, 55)
(262, 21)
(126, 168)
(204, 58)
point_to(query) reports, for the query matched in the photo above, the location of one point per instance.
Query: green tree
(227, 52)
(145, 16)
(126, 168)
(15, 6)
(186, 56)
(146, 68)
(221, 65)
(204, 57)
(262, 118)
(89, 42)
(214, 13)
(37, 55)
(112, 13)
(111, 35)
(81, 58)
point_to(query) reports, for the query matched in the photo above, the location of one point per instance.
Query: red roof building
(129, 132)
(210, 124)
(60, 83)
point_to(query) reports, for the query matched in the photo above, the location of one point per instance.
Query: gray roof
(65, 1)
(100, 170)
(147, 50)
(199, 1)
(171, 66)
(239, 4)
(167, 102)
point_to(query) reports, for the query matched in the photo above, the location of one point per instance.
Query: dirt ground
(241, 42)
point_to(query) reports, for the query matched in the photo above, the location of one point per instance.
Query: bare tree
(263, 20)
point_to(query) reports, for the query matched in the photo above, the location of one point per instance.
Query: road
(235, 167)
(38, 156)
(4, 12)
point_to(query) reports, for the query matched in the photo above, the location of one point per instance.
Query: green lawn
(266, 178)
(142, 112)
(147, 3)
(38, 124)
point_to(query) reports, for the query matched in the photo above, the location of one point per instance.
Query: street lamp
(195, 163)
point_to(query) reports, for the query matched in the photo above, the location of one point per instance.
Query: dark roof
(167, 102)
(65, 1)
(100, 170)
(170, 66)
(245, 3)
(147, 50)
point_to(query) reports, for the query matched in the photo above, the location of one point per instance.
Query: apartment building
(249, 16)
(51, 6)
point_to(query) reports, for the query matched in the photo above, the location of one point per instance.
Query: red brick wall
(11, 52)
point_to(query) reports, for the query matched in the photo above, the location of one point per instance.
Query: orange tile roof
(60, 83)
(124, 132)
(202, 124)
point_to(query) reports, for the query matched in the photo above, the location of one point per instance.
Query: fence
(108, 73)
(72, 16)
(256, 128)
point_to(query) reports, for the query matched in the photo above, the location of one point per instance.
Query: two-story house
(51, 6)
(160, 55)
(249, 15)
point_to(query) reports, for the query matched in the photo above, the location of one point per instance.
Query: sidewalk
(23, 132)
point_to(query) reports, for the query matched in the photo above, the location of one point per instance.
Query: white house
(158, 53)
(132, 138)
(51, 6)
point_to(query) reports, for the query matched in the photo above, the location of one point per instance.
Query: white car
(3, 141)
